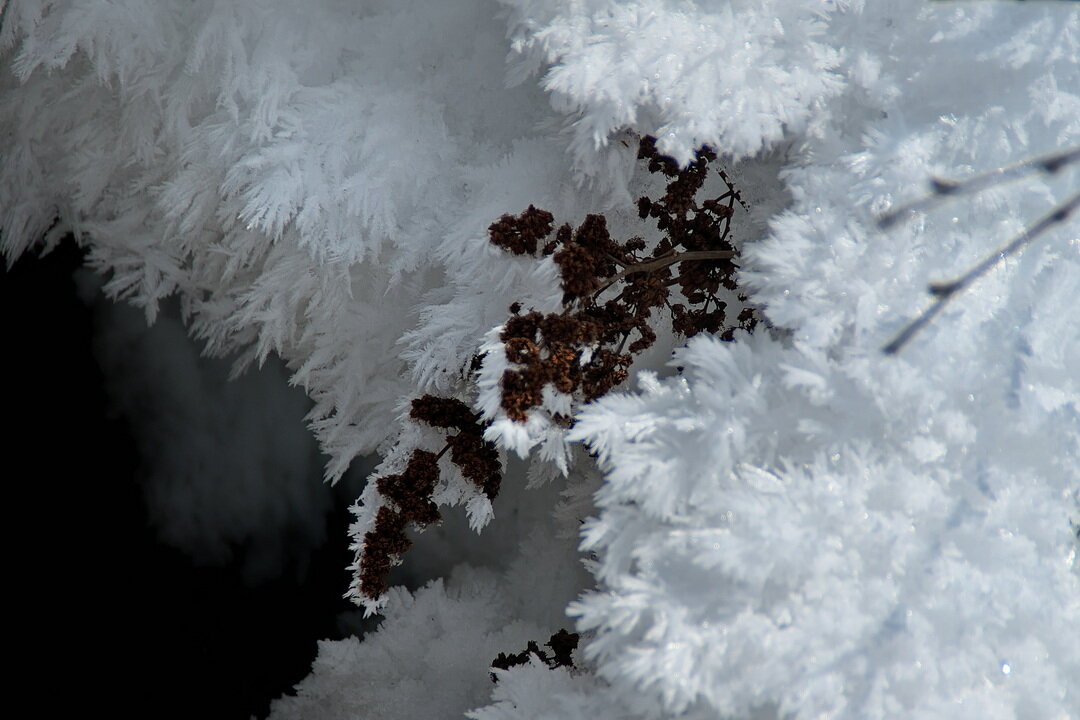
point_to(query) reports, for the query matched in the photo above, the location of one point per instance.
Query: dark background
(105, 617)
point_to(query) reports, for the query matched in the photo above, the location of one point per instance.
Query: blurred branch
(942, 189)
(943, 292)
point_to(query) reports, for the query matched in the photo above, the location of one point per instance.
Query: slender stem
(734, 193)
(662, 262)
(946, 291)
(942, 188)
(616, 260)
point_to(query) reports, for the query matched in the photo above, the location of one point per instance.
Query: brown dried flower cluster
(519, 235)
(610, 290)
(408, 494)
(549, 349)
(562, 644)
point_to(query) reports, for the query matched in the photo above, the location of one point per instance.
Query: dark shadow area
(105, 614)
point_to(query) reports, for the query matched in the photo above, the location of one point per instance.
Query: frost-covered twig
(941, 189)
(579, 354)
(945, 291)
(409, 493)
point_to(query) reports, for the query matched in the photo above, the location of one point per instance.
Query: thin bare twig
(943, 292)
(943, 188)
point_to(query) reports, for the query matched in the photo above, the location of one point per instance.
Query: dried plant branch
(661, 263)
(548, 349)
(407, 495)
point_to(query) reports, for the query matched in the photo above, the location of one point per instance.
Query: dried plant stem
(732, 192)
(663, 262)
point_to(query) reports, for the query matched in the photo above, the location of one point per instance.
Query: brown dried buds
(610, 290)
(408, 494)
(562, 644)
(550, 350)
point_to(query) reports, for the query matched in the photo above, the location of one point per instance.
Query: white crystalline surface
(790, 525)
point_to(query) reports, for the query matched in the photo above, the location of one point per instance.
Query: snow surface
(793, 525)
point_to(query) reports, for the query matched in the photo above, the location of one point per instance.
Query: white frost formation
(794, 526)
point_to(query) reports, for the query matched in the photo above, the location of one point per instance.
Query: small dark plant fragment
(562, 644)
(519, 235)
(408, 494)
(382, 544)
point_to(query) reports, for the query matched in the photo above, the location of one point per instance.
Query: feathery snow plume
(808, 526)
(305, 179)
(739, 75)
(775, 530)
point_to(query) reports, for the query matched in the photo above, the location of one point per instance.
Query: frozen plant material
(790, 526)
